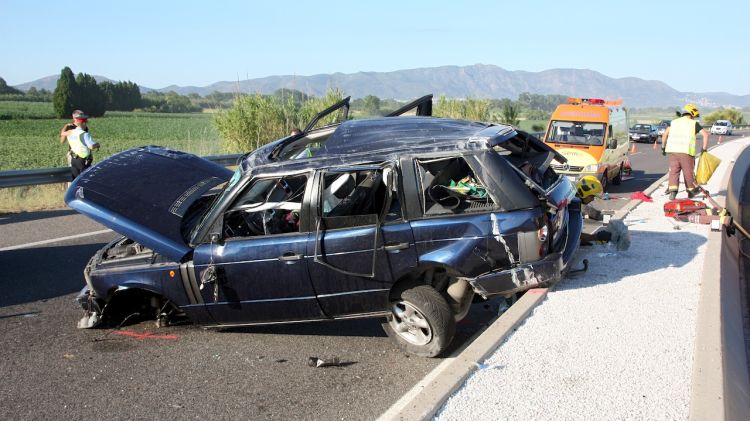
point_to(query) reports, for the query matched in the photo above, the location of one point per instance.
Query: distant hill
(476, 81)
(50, 82)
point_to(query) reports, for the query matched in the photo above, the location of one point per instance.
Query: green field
(25, 110)
(33, 142)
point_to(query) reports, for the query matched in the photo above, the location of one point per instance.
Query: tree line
(84, 93)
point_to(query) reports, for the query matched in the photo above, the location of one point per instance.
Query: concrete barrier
(720, 385)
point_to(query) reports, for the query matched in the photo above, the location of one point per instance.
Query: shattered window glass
(268, 206)
(449, 185)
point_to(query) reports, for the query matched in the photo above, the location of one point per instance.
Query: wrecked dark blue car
(402, 217)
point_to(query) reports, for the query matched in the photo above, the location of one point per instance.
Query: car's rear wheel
(421, 322)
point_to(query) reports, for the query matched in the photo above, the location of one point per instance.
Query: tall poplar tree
(89, 96)
(63, 97)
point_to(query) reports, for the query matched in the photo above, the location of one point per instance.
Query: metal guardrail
(20, 178)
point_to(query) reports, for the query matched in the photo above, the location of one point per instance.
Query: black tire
(618, 178)
(605, 182)
(421, 322)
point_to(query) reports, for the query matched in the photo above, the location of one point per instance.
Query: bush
(733, 115)
(256, 120)
(251, 122)
(468, 109)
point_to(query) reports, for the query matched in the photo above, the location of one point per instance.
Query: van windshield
(720, 123)
(576, 133)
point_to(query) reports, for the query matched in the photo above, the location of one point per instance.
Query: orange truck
(593, 135)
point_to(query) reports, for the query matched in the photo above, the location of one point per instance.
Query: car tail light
(543, 233)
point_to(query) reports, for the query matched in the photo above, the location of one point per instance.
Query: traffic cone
(654, 145)
(632, 149)
(721, 138)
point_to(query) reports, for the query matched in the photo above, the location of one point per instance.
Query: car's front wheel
(618, 178)
(421, 322)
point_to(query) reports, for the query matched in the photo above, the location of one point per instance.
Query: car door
(360, 240)
(256, 272)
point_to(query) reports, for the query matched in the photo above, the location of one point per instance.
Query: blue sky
(700, 48)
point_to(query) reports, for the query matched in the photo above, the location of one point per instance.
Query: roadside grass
(32, 198)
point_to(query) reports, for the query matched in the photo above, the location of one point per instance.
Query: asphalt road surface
(51, 370)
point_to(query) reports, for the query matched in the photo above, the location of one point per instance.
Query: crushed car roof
(395, 133)
(382, 137)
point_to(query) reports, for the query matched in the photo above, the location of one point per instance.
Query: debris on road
(142, 336)
(639, 195)
(323, 362)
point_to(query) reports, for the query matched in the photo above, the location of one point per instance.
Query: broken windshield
(576, 133)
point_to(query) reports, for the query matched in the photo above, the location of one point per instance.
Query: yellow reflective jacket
(681, 136)
(77, 145)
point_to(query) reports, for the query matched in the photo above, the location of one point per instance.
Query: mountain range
(475, 81)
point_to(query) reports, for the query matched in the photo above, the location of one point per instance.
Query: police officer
(678, 142)
(80, 143)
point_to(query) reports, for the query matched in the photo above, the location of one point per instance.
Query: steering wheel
(256, 221)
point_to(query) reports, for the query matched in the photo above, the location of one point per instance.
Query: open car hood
(143, 194)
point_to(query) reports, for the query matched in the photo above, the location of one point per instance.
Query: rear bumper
(520, 278)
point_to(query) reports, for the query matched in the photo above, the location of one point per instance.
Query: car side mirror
(612, 144)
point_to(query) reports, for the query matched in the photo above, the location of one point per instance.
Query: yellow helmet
(692, 110)
(588, 186)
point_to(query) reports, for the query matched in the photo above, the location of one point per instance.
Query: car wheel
(618, 178)
(605, 182)
(421, 322)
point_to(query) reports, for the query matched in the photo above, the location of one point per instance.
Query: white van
(723, 127)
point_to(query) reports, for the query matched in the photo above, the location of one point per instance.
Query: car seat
(337, 191)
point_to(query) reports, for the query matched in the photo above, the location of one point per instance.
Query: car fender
(458, 257)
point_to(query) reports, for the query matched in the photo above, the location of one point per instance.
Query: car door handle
(290, 257)
(396, 247)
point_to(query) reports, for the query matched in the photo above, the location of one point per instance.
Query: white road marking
(54, 240)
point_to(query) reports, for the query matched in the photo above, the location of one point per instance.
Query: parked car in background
(662, 127)
(643, 133)
(402, 217)
(722, 127)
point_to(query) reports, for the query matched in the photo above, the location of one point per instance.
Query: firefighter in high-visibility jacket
(80, 143)
(678, 142)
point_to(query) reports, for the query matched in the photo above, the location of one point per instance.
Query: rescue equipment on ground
(679, 207)
(698, 212)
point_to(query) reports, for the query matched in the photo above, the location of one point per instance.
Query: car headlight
(592, 168)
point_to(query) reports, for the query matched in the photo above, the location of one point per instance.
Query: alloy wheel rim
(410, 324)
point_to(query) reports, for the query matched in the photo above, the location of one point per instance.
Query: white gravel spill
(613, 343)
